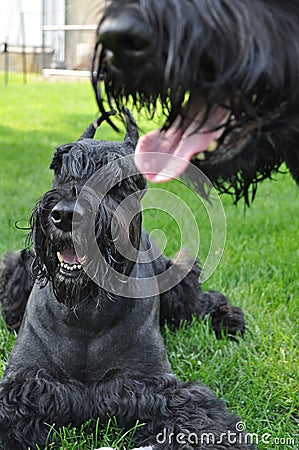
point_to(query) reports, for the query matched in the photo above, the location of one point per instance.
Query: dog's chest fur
(88, 342)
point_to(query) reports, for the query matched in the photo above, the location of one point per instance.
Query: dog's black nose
(66, 214)
(127, 37)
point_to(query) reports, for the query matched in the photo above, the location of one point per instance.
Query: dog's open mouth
(70, 262)
(162, 155)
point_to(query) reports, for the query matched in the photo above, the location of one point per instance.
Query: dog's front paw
(228, 319)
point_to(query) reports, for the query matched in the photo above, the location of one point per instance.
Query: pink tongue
(69, 256)
(163, 155)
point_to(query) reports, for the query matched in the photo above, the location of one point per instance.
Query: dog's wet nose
(127, 37)
(66, 214)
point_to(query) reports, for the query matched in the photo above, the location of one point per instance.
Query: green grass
(91, 435)
(257, 377)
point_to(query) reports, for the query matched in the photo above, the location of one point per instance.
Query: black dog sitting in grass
(89, 345)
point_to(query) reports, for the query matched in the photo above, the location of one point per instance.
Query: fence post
(22, 20)
(6, 64)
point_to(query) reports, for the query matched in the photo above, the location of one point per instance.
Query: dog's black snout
(66, 214)
(126, 36)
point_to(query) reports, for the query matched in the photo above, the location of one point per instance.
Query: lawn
(258, 376)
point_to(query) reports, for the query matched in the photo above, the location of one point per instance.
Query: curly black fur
(16, 284)
(168, 408)
(83, 352)
(239, 54)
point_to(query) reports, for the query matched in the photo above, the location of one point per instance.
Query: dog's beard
(72, 291)
(54, 253)
(70, 288)
(75, 282)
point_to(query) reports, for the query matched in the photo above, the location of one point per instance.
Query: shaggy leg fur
(176, 415)
(187, 300)
(15, 286)
(31, 400)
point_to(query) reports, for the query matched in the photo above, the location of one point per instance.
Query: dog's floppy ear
(132, 134)
(92, 128)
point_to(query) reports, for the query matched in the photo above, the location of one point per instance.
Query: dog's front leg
(31, 402)
(21, 420)
(15, 286)
(186, 299)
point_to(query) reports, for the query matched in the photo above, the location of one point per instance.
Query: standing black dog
(227, 75)
(87, 351)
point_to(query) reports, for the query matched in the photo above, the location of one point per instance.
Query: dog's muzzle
(66, 215)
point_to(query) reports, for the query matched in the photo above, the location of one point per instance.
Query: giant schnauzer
(226, 73)
(89, 347)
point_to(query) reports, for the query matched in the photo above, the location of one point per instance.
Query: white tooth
(200, 156)
(83, 261)
(59, 257)
(213, 145)
(71, 267)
